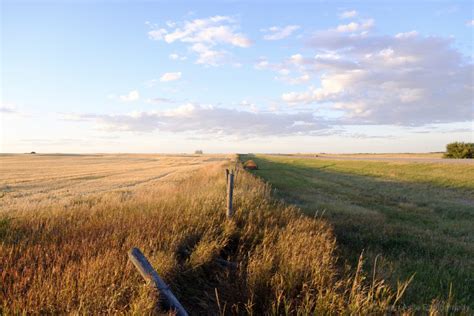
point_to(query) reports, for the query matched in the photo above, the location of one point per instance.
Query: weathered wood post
(226, 176)
(230, 191)
(151, 277)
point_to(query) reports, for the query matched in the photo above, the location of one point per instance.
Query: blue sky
(156, 76)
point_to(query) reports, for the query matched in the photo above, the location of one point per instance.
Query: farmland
(407, 217)
(68, 221)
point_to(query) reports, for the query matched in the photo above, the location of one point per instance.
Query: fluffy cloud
(407, 34)
(348, 14)
(214, 120)
(404, 79)
(203, 37)
(356, 26)
(294, 80)
(277, 33)
(170, 76)
(470, 23)
(130, 97)
(175, 56)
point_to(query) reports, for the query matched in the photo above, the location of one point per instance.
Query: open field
(423, 158)
(418, 216)
(28, 181)
(375, 156)
(67, 223)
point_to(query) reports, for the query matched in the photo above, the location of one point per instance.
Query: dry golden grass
(29, 180)
(63, 245)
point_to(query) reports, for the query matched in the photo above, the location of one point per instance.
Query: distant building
(198, 152)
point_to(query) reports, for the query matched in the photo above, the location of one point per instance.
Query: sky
(229, 76)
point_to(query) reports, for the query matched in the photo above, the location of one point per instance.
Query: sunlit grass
(418, 216)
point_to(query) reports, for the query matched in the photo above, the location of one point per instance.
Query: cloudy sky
(294, 76)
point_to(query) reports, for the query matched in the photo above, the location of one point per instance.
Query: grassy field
(378, 156)
(410, 218)
(67, 223)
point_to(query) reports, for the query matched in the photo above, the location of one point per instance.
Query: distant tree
(459, 150)
(198, 152)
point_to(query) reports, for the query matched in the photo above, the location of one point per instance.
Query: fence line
(151, 276)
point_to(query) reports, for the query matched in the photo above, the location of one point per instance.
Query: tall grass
(397, 213)
(73, 258)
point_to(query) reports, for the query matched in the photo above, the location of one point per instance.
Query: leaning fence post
(151, 276)
(230, 191)
(226, 176)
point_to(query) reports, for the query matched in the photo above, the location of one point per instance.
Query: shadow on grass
(418, 228)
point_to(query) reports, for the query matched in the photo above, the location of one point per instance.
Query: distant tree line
(459, 150)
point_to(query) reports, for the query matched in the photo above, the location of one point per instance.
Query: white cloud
(297, 59)
(356, 26)
(296, 80)
(217, 121)
(281, 68)
(203, 37)
(170, 76)
(275, 33)
(175, 56)
(348, 14)
(262, 63)
(470, 23)
(407, 34)
(7, 108)
(208, 56)
(405, 79)
(151, 83)
(157, 34)
(252, 107)
(159, 100)
(130, 97)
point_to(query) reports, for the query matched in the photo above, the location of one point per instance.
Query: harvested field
(28, 181)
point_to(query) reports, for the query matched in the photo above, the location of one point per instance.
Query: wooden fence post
(226, 176)
(151, 276)
(230, 191)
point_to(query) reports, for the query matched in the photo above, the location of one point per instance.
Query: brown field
(28, 181)
(67, 223)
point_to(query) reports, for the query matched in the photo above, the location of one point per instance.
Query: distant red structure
(250, 165)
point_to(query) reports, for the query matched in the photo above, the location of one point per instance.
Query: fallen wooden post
(230, 191)
(151, 277)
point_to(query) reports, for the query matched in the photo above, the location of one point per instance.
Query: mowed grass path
(418, 216)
